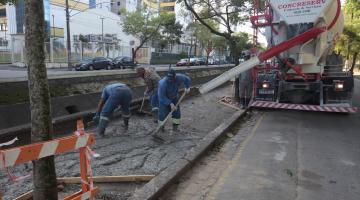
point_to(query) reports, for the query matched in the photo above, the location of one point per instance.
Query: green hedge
(165, 58)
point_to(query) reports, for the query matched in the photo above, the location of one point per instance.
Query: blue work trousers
(164, 110)
(121, 96)
(154, 101)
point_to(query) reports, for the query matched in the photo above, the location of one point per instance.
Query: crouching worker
(113, 96)
(168, 93)
(151, 79)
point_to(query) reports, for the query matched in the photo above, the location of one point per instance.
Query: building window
(3, 27)
(168, 8)
(2, 12)
(118, 3)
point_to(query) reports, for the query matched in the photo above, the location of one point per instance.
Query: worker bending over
(113, 96)
(168, 96)
(151, 79)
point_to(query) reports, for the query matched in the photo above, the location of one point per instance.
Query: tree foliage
(4, 2)
(226, 13)
(204, 36)
(170, 30)
(145, 25)
(349, 42)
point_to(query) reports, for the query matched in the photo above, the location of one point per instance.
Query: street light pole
(53, 18)
(68, 44)
(102, 28)
(102, 35)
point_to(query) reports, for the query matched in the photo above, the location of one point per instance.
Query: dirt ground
(133, 151)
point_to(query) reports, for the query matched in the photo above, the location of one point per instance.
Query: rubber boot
(126, 123)
(101, 132)
(155, 116)
(103, 123)
(175, 127)
(242, 103)
(247, 101)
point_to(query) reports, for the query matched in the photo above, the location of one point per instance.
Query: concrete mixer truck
(298, 70)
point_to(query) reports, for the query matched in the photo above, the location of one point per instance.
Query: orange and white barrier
(23, 154)
(80, 140)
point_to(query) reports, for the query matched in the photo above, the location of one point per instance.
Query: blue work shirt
(168, 91)
(108, 90)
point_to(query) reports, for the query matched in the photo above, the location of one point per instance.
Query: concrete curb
(161, 182)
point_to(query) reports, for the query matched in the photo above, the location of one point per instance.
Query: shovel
(140, 111)
(154, 133)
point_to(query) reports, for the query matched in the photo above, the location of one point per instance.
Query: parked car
(183, 62)
(201, 60)
(124, 62)
(194, 61)
(94, 64)
(211, 61)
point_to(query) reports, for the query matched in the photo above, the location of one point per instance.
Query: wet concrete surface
(133, 151)
(281, 155)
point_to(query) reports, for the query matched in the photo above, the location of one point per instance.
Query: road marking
(216, 188)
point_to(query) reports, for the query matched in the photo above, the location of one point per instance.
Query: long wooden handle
(142, 103)
(177, 104)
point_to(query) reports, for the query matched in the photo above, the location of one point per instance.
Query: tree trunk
(195, 48)
(133, 54)
(191, 45)
(44, 175)
(353, 63)
(207, 59)
(235, 56)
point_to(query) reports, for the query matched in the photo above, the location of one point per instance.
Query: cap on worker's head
(171, 73)
(140, 69)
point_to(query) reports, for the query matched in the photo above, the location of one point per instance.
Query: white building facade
(90, 20)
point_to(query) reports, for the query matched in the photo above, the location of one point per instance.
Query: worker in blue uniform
(168, 94)
(113, 96)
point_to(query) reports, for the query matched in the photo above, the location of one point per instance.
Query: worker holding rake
(168, 93)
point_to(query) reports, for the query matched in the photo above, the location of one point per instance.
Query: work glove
(187, 90)
(173, 107)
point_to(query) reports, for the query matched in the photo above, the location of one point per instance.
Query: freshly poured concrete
(134, 151)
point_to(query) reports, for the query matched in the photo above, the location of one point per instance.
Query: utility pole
(68, 44)
(102, 28)
(102, 35)
(53, 18)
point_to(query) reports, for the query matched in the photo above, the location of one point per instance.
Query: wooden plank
(29, 194)
(25, 196)
(229, 105)
(108, 179)
(79, 195)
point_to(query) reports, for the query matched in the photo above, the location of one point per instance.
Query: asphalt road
(284, 155)
(8, 72)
